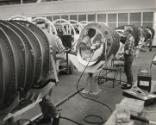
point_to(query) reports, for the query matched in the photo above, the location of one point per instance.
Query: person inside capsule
(90, 51)
(91, 46)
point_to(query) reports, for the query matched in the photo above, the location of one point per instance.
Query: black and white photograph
(77, 62)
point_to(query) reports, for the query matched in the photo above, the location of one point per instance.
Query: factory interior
(78, 62)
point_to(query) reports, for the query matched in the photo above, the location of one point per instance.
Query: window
(49, 18)
(135, 19)
(82, 18)
(122, 19)
(101, 17)
(64, 17)
(91, 17)
(148, 16)
(73, 17)
(56, 17)
(148, 19)
(111, 17)
(112, 20)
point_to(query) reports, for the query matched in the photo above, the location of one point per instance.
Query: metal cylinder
(24, 60)
(97, 42)
(138, 32)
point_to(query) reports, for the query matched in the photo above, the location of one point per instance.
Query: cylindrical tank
(97, 42)
(24, 60)
(149, 33)
(138, 32)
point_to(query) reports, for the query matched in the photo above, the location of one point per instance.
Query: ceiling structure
(10, 2)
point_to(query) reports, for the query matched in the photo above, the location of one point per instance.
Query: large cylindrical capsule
(138, 32)
(97, 42)
(24, 60)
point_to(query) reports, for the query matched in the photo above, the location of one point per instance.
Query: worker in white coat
(56, 47)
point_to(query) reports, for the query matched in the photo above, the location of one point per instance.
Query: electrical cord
(62, 117)
(88, 116)
(91, 99)
(91, 116)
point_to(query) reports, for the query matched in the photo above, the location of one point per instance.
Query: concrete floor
(77, 107)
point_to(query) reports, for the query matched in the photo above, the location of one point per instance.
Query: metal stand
(144, 77)
(116, 70)
(56, 120)
(65, 68)
(34, 97)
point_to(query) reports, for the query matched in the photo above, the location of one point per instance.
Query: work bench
(147, 112)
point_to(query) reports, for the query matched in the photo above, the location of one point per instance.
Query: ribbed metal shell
(24, 60)
(109, 43)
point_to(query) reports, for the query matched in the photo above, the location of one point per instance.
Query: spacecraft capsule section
(24, 60)
(97, 42)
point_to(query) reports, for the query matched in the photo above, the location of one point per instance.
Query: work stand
(49, 114)
(111, 73)
(27, 105)
(64, 66)
(144, 77)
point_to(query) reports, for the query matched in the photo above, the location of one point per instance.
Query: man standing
(128, 56)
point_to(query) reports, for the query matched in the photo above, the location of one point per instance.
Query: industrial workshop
(77, 62)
